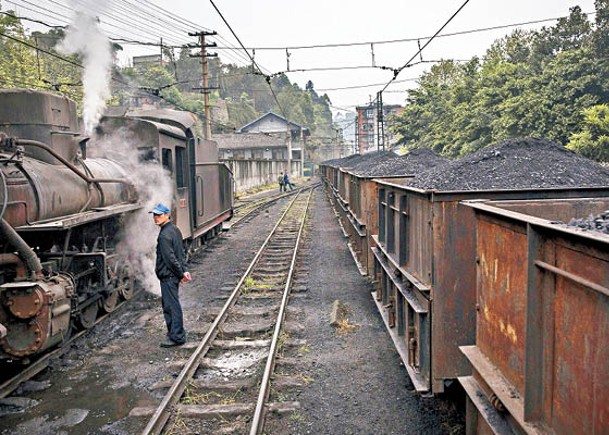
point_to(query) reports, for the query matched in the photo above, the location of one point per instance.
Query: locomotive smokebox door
(36, 314)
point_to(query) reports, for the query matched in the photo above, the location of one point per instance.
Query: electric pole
(205, 88)
(380, 122)
(289, 133)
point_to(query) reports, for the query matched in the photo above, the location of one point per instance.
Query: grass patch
(344, 326)
(178, 425)
(305, 348)
(304, 378)
(297, 417)
(247, 285)
(281, 341)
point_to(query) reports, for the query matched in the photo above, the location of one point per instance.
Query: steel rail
(260, 204)
(258, 420)
(160, 417)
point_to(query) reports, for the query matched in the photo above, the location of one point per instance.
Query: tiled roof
(246, 141)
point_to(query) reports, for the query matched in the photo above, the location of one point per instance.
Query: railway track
(225, 384)
(246, 210)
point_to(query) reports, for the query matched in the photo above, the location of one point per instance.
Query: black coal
(599, 222)
(515, 164)
(412, 163)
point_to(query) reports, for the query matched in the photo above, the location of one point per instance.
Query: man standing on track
(280, 180)
(286, 182)
(171, 271)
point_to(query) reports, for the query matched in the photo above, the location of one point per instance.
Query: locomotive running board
(80, 219)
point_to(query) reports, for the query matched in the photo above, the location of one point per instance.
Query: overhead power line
(412, 39)
(399, 70)
(267, 77)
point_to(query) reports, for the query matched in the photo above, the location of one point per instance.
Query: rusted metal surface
(502, 272)
(42, 117)
(551, 327)
(432, 237)
(36, 314)
(38, 191)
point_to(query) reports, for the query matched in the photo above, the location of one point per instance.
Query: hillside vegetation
(552, 83)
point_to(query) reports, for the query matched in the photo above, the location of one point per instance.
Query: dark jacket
(170, 255)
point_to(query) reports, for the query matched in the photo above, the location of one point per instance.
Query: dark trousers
(172, 310)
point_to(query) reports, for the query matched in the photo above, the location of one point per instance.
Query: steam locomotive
(62, 212)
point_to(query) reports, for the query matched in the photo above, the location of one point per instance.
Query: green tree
(18, 68)
(593, 140)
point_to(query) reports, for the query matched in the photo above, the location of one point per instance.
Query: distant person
(280, 180)
(171, 271)
(286, 182)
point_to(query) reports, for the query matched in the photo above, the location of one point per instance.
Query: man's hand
(186, 278)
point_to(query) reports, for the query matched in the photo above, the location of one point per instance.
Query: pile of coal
(337, 163)
(523, 163)
(413, 163)
(368, 159)
(599, 222)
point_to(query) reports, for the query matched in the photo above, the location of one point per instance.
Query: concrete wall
(252, 173)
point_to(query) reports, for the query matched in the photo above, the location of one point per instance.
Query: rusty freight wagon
(341, 192)
(426, 257)
(541, 356)
(359, 210)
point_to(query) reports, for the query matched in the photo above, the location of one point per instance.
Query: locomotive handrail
(31, 259)
(34, 143)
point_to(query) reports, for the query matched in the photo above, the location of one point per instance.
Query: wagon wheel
(109, 300)
(126, 284)
(87, 316)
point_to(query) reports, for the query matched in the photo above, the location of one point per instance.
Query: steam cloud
(84, 37)
(137, 240)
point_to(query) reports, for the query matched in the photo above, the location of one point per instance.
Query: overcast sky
(274, 23)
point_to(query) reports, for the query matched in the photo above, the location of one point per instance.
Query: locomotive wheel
(108, 303)
(127, 289)
(87, 316)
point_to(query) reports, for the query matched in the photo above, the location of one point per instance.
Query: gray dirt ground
(358, 385)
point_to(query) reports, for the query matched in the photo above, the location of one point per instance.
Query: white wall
(253, 173)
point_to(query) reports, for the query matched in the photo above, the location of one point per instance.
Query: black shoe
(170, 343)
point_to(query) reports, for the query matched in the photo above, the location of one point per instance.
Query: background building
(367, 127)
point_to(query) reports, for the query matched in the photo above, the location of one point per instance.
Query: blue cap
(160, 209)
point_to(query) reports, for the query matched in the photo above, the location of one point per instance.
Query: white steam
(84, 37)
(138, 237)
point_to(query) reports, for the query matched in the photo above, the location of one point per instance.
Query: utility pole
(380, 122)
(289, 133)
(356, 138)
(205, 88)
(303, 139)
(161, 58)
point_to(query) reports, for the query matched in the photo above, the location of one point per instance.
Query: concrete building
(264, 138)
(253, 146)
(148, 60)
(367, 126)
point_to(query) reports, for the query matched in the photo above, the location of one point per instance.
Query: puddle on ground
(82, 402)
